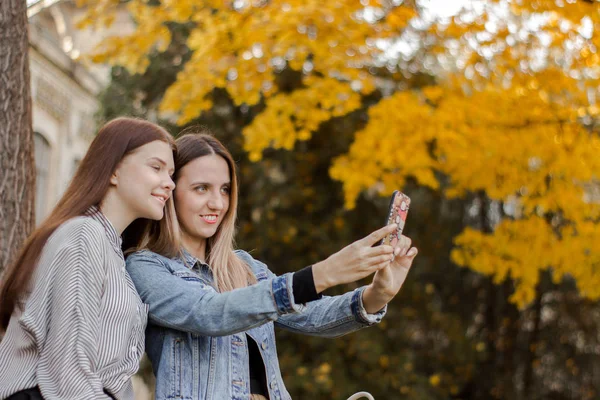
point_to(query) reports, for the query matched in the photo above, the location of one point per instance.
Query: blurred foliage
(486, 118)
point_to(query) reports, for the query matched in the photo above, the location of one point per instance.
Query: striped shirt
(82, 327)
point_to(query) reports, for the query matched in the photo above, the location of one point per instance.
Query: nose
(169, 184)
(215, 202)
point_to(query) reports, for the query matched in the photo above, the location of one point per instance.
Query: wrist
(321, 276)
(381, 291)
(374, 299)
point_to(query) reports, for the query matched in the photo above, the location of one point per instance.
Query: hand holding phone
(397, 212)
(388, 281)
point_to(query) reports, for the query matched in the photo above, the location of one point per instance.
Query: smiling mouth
(211, 219)
(162, 199)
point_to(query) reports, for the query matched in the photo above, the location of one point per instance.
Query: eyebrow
(207, 183)
(160, 160)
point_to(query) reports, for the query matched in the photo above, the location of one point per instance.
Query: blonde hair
(162, 237)
(229, 271)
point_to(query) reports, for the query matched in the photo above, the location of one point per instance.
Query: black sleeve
(303, 286)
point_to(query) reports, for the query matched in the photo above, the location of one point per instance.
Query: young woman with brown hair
(73, 323)
(213, 309)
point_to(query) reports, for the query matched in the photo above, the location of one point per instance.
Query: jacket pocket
(176, 368)
(192, 277)
(177, 382)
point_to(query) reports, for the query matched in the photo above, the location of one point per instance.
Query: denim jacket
(196, 336)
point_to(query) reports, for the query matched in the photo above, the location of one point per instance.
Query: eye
(156, 167)
(226, 190)
(201, 188)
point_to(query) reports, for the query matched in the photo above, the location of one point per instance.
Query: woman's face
(143, 181)
(202, 196)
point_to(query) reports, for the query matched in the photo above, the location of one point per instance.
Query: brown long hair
(88, 187)
(229, 271)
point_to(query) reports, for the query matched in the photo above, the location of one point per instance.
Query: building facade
(65, 93)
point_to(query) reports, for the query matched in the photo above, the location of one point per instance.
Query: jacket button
(273, 384)
(264, 345)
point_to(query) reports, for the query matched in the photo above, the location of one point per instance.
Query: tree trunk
(17, 173)
(528, 377)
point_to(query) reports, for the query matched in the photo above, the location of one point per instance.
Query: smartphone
(397, 211)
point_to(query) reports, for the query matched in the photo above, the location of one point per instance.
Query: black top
(303, 286)
(258, 375)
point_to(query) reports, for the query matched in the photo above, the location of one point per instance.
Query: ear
(114, 179)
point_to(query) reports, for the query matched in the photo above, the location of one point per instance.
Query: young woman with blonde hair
(73, 322)
(213, 309)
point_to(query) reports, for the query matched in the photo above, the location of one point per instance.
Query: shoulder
(144, 256)
(76, 247)
(147, 258)
(78, 236)
(256, 265)
(245, 256)
(79, 229)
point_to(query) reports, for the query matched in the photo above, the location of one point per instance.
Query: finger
(380, 260)
(412, 252)
(408, 258)
(379, 250)
(404, 245)
(407, 241)
(380, 266)
(406, 261)
(370, 269)
(379, 234)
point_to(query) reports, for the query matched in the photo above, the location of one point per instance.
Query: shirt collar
(190, 260)
(112, 234)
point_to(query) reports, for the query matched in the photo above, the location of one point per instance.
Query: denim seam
(284, 300)
(147, 254)
(358, 310)
(323, 328)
